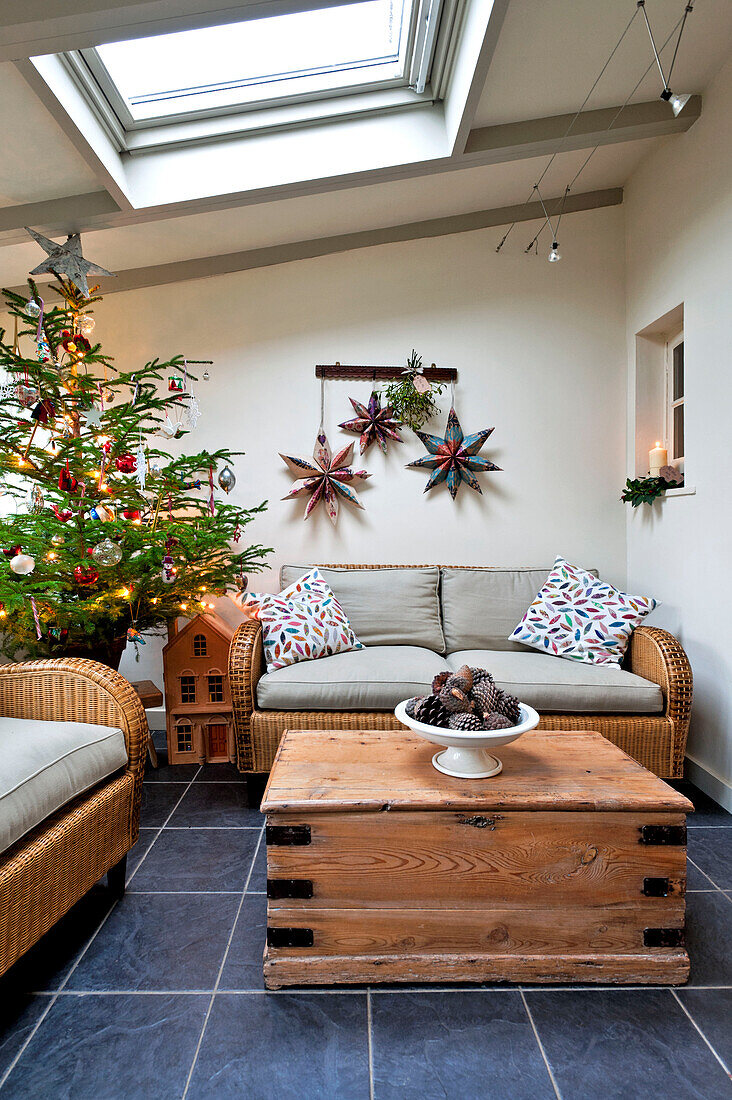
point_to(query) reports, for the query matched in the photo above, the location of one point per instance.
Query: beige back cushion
(386, 606)
(481, 607)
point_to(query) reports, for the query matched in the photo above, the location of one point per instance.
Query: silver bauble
(22, 564)
(57, 540)
(32, 307)
(227, 479)
(86, 325)
(107, 553)
(206, 376)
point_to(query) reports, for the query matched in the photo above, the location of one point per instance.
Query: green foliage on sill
(410, 406)
(643, 490)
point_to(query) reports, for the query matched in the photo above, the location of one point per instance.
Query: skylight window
(260, 62)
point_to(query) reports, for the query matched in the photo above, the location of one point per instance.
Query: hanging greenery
(644, 490)
(412, 397)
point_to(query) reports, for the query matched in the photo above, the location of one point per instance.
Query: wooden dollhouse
(200, 725)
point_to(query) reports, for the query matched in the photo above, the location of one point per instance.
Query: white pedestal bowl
(465, 755)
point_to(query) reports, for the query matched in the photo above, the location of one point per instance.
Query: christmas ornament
(12, 551)
(168, 428)
(67, 483)
(74, 343)
(176, 383)
(66, 259)
(134, 635)
(191, 484)
(206, 376)
(26, 395)
(107, 553)
(102, 512)
(86, 575)
(155, 465)
(64, 514)
(227, 479)
(192, 412)
(57, 540)
(168, 570)
(86, 324)
(93, 417)
(22, 564)
(43, 411)
(454, 458)
(131, 514)
(126, 464)
(373, 422)
(36, 500)
(57, 634)
(325, 477)
(32, 307)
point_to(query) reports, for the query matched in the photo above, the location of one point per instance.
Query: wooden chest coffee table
(568, 866)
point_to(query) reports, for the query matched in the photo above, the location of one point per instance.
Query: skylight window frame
(128, 133)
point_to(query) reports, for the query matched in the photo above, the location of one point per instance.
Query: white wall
(540, 352)
(678, 209)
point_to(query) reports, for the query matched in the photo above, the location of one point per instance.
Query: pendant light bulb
(678, 102)
(555, 255)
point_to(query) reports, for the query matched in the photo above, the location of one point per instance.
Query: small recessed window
(200, 649)
(188, 689)
(676, 390)
(215, 687)
(184, 736)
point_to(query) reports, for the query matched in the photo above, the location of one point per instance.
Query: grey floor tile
(19, 1014)
(466, 1046)
(696, 879)
(105, 1048)
(198, 859)
(258, 880)
(617, 1044)
(220, 773)
(215, 804)
(169, 773)
(711, 850)
(708, 936)
(159, 942)
(47, 964)
(284, 1047)
(243, 966)
(138, 852)
(158, 799)
(711, 1010)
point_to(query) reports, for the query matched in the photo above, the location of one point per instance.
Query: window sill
(681, 491)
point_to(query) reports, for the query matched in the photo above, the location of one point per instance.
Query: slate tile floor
(161, 995)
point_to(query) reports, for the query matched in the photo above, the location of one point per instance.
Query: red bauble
(131, 513)
(12, 551)
(126, 464)
(63, 514)
(86, 575)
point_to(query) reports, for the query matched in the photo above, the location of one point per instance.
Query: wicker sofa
(416, 620)
(48, 868)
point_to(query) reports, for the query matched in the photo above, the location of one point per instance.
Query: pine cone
(431, 711)
(439, 682)
(486, 696)
(509, 705)
(455, 700)
(469, 722)
(497, 722)
(465, 673)
(480, 674)
(459, 682)
(411, 705)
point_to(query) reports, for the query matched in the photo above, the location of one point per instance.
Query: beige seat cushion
(387, 606)
(556, 684)
(46, 764)
(373, 678)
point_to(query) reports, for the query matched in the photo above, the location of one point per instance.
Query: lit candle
(657, 457)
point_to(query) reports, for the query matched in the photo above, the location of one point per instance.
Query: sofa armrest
(71, 689)
(246, 665)
(658, 656)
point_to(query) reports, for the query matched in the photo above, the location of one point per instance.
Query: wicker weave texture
(658, 742)
(49, 869)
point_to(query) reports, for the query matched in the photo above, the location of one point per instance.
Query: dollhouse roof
(202, 624)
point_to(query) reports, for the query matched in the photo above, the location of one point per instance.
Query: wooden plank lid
(328, 771)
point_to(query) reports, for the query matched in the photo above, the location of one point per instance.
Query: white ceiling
(548, 54)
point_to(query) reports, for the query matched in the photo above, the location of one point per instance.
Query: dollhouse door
(218, 741)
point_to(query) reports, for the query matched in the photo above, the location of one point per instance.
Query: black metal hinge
(289, 937)
(289, 888)
(663, 834)
(655, 887)
(281, 835)
(664, 937)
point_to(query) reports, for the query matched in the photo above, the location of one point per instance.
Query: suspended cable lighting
(677, 102)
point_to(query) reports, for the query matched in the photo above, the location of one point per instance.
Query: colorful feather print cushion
(304, 622)
(575, 615)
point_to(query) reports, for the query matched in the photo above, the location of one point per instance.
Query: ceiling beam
(209, 266)
(57, 216)
(49, 26)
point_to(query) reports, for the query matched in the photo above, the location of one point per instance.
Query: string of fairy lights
(676, 101)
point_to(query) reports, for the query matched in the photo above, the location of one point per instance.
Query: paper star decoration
(93, 417)
(373, 422)
(66, 259)
(454, 458)
(325, 477)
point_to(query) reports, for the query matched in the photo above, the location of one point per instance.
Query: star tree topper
(66, 259)
(454, 458)
(325, 477)
(373, 422)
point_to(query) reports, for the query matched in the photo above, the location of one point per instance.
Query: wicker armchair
(50, 868)
(657, 741)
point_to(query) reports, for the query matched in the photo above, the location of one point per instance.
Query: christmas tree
(106, 535)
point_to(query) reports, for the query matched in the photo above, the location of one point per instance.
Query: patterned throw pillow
(576, 615)
(302, 623)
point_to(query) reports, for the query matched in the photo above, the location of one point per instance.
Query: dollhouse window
(187, 689)
(200, 647)
(184, 736)
(215, 687)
